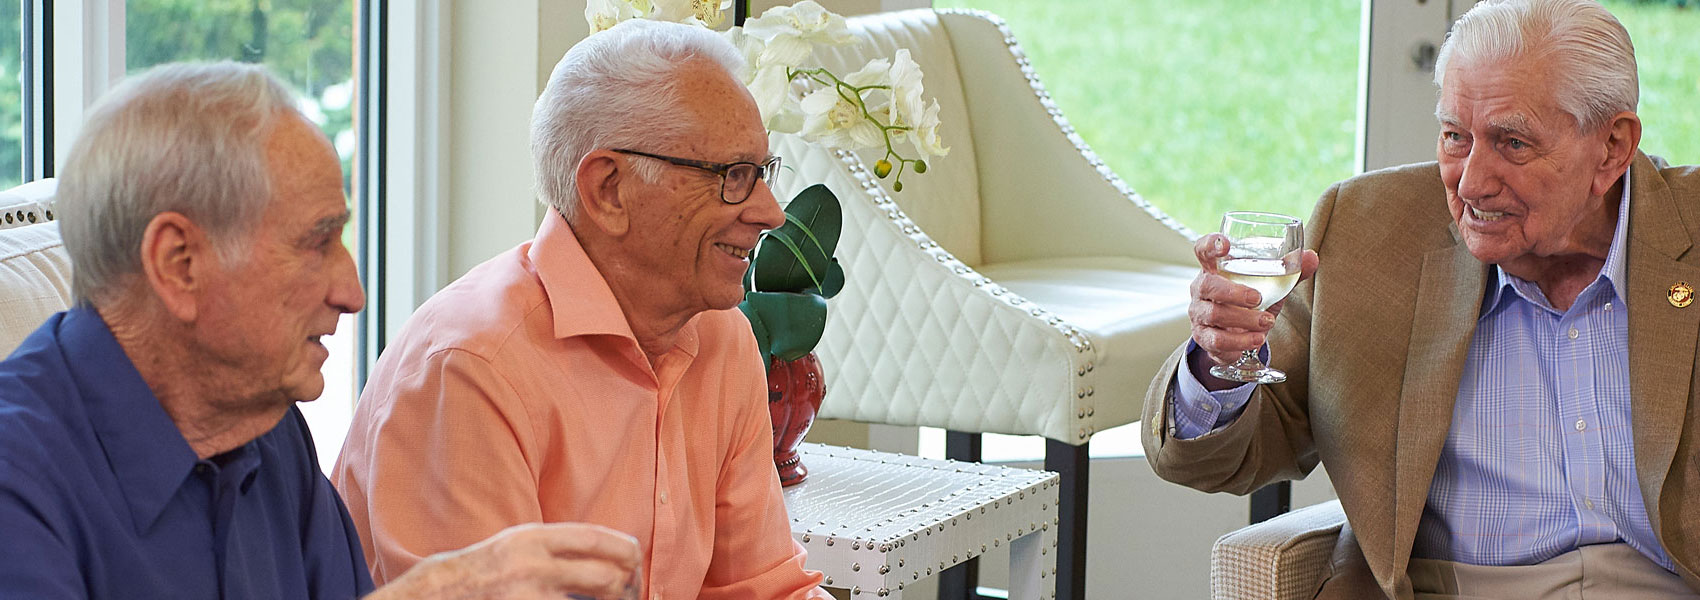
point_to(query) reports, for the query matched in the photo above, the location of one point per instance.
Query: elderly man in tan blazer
(1494, 423)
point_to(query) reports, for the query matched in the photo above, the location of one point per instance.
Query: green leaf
(764, 338)
(794, 322)
(833, 283)
(801, 250)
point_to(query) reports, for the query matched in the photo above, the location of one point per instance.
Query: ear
(600, 204)
(1622, 137)
(175, 257)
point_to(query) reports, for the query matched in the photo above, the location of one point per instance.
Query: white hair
(616, 89)
(186, 138)
(1586, 51)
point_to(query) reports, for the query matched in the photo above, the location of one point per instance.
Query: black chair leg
(1073, 464)
(1271, 501)
(961, 582)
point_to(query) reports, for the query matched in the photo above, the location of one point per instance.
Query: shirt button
(1608, 306)
(1208, 407)
(1589, 503)
(663, 497)
(1581, 424)
(1573, 333)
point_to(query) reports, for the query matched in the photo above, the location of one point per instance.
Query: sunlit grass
(1212, 105)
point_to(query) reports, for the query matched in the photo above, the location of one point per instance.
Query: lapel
(1662, 337)
(1449, 299)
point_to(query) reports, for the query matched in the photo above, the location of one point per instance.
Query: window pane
(11, 95)
(1203, 106)
(309, 44)
(1668, 56)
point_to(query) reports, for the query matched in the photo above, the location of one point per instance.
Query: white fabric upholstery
(35, 271)
(1018, 286)
(1280, 559)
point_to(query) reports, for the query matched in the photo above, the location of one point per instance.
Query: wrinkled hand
(535, 560)
(1225, 319)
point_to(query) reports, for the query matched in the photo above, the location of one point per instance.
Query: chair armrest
(1283, 558)
(1044, 193)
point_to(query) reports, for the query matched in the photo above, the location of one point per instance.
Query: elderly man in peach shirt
(599, 372)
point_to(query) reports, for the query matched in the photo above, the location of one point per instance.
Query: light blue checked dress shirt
(1539, 459)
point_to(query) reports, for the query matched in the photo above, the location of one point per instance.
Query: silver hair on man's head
(185, 138)
(1587, 52)
(615, 89)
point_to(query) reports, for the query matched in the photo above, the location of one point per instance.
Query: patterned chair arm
(1283, 558)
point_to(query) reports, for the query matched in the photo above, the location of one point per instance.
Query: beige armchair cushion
(1284, 558)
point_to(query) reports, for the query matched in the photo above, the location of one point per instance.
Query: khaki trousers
(1595, 572)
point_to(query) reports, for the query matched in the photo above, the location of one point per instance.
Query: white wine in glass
(1263, 255)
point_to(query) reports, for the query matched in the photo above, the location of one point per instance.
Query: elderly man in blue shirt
(1495, 358)
(149, 442)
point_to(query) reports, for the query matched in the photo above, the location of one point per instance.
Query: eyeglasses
(737, 179)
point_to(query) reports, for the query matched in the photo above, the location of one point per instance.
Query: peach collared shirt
(519, 394)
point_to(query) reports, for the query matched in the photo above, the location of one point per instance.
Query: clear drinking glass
(1264, 255)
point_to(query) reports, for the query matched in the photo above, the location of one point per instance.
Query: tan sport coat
(1374, 347)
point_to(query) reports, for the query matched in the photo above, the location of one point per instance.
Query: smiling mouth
(736, 252)
(1485, 215)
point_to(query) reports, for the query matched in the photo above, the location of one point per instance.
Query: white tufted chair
(35, 271)
(1018, 286)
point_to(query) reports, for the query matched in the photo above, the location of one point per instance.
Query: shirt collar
(149, 457)
(580, 299)
(1612, 272)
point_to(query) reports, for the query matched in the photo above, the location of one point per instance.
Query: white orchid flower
(806, 20)
(677, 11)
(908, 109)
(906, 104)
(604, 14)
(924, 133)
(771, 90)
(831, 118)
(791, 32)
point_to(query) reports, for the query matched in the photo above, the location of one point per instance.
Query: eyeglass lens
(741, 179)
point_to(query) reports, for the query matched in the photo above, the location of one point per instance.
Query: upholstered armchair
(35, 271)
(1018, 286)
(1283, 558)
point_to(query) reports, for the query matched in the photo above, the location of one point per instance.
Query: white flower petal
(788, 50)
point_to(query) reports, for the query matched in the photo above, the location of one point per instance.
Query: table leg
(1031, 562)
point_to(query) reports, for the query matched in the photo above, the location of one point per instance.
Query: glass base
(1234, 373)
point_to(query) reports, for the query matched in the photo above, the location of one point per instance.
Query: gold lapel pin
(1681, 294)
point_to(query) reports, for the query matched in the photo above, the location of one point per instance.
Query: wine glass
(1264, 255)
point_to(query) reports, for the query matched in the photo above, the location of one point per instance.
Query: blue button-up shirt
(1539, 459)
(101, 497)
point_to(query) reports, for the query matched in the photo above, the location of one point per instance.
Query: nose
(1480, 177)
(345, 294)
(762, 208)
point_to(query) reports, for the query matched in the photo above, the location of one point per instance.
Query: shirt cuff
(1198, 411)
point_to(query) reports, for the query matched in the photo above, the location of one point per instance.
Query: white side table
(875, 522)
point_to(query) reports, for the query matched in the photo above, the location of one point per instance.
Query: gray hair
(1591, 60)
(616, 89)
(186, 138)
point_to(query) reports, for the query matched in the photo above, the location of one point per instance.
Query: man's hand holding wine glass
(1226, 321)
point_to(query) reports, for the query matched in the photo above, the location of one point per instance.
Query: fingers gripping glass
(1263, 255)
(737, 179)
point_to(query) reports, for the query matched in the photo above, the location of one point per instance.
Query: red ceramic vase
(794, 392)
